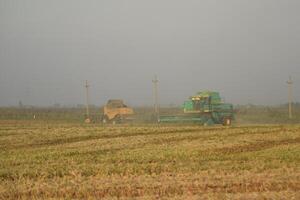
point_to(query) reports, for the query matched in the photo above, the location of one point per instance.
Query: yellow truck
(115, 111)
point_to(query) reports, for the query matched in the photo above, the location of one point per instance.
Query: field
(63, 160)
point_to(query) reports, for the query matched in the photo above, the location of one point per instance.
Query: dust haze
(244, 49)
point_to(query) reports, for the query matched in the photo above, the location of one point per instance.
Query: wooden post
(87, 120)
(290, 88)
(156, 105)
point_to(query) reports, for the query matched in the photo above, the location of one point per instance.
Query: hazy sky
(246, 49)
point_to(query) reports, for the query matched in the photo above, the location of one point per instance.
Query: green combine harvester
(205, 108)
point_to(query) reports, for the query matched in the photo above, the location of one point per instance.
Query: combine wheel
(227, 122)
(209, 122)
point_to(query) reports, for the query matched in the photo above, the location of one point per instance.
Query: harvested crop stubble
(63, 160)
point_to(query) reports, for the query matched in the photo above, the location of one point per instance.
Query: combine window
(197, 105)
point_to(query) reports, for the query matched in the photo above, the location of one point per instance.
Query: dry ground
(75, 161)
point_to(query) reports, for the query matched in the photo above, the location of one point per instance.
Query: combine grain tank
(204, 108)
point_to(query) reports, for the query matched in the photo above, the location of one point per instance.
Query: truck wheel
(105, 120)
(117, 120)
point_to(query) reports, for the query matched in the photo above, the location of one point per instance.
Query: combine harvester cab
(115, 111)
(204, 108)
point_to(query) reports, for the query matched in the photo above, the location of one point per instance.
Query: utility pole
(290, 85)
(155, 90)
(87, 120)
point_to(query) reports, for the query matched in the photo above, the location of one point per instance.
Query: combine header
(204, 108)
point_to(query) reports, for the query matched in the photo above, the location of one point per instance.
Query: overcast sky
(246, 49)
